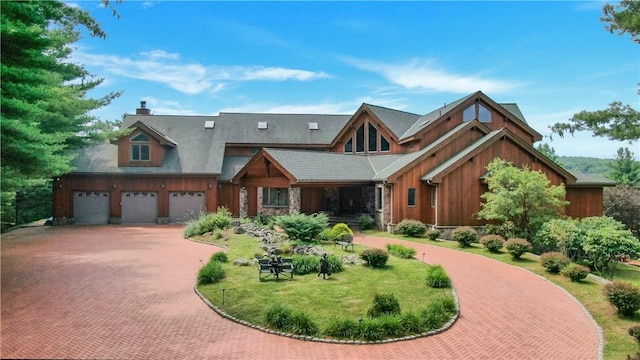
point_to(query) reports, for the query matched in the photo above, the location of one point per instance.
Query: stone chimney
(143, 109)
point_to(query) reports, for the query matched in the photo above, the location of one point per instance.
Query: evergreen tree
(45, 108)
(625, 170)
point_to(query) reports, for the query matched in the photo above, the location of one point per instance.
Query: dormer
(143, 147)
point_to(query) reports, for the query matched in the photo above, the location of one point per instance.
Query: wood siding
(585, 202)
(312, 199)
(115, 185)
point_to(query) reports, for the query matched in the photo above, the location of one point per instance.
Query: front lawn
(346, 295)
(618, 343)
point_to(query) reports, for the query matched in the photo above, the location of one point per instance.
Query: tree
(624, 169)
(622, 203)
(520, 199)
(618, 122)
(45, 111)
(623, 18)
(549, 152)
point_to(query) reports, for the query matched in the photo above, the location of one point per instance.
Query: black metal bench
(345, 242)
(286, 267)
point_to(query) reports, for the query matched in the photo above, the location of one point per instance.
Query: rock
(242, 262)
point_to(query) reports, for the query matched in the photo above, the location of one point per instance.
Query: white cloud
(188, 77)
(167, 107)
(427, 75)
(147, 4)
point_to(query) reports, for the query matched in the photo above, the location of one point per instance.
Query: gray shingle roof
(583, 179)
(397, 121)
(427, 119)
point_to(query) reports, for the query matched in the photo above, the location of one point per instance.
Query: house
(388, 163)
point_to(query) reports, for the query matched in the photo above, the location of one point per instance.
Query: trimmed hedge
(576, 272)
(623, 296)
(517, 247)
(384, 304)
(375, 257)
(492, 242)
(464, 235)
(433, 234)
(554, 261)
(411, 228)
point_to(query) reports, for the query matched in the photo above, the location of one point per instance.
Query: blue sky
(200, 58)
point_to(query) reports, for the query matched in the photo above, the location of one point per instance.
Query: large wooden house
(391, 164)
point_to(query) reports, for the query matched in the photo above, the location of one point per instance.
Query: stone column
(387, 197)
(244, 202)
(294, 200)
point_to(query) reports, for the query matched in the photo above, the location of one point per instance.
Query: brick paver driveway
(115, 292)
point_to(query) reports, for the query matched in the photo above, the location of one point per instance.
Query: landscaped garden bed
(340, 308)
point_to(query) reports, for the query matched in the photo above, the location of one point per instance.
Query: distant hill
(586, 165)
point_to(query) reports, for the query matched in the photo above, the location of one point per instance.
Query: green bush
(464, 235)
(339, 230)
(325, 235)
(218, 235)
(623, 296)
(438, 278)
(210, 273)
(411, 323)
(559, 235)
(278, 316)
(433, 234)
(342, 328)
(375, 257)
(554, 261)
(384, 304)
(371, 329)
(220, 256)
(412, 228)
(301, 324)
(302, 227)
(576, 272)
(492, 242)
(208, 222)
(634, 331)
(401, 251)
(391, 325)
(263, 219)
(366, 222)
(436, 314)
(309, 264)
(517, 247)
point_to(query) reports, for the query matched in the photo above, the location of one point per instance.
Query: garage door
(184, 206)
(91, 207)
(139, 207)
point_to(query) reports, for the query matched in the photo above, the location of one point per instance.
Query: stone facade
(244, 202)
(294, 200)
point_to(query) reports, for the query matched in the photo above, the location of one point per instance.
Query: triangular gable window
(140, 137)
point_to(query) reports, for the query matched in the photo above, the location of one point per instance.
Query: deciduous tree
(522, 199)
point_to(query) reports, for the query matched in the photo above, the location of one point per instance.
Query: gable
(365, 133)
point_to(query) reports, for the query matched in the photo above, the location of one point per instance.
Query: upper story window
(367, 138)
(477, 111)
(140, 147)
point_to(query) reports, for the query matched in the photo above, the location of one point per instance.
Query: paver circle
(118, 292)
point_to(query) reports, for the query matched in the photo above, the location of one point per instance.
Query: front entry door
(350, 200)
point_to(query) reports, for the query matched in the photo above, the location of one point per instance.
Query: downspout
(435, 201)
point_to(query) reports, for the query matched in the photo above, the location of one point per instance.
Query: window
(384, 143)
(140, 147)
(373, 138)
(378, 198)
(360, 139)
(275, 196)
(477, 111)
(411, 197)
(348, 147)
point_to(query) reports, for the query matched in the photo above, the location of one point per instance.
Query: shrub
(210, 273)
(438, 278)
(623, 296)
(278, 316)
(301, 324)
(325, 235)
(308, 264)
(302, 227)
(263, 219)
(208, 222)
(391, 325)
(401, 251)
(220, 256)
(342, 328)
(366, 222)
(492, 242)
(436, 314)
(339, 230)
(375, 257)
(559, 235)
(218, 235)
(554, 261)
(634, 331)
(411, 323)
(464, 235)
(371, 329)
(433, 234)
(517, 247)
(412, 228)
(576, 272)
(384, 304)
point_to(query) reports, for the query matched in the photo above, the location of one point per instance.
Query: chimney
(143, 109)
